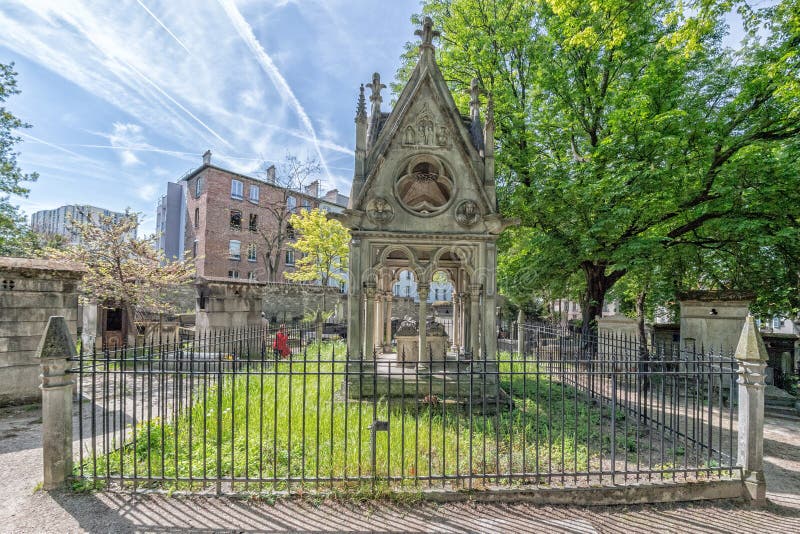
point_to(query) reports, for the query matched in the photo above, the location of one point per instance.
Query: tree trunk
(595, 296)
(640, 301)
(130, 325)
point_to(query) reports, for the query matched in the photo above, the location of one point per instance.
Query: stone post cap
(751, 346)
(56, 341)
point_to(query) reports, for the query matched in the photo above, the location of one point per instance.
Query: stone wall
(31, 291)
(712, 320)
(223, 303)
(289, 302)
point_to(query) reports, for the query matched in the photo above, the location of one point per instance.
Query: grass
(292, 430)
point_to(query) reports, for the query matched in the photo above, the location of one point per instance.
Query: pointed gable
(423, 165)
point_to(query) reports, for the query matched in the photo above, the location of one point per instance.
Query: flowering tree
(124, 270)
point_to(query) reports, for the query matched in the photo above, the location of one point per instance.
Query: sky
(126, 95)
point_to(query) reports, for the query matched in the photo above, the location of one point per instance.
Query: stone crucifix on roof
(427, 33)
(376, 86)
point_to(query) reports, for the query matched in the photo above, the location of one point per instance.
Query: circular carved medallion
(467, 213)
(379, 210)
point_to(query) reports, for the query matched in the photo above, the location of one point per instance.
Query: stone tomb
(423, 200)
(31, 291)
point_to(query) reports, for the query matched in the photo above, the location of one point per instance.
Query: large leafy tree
(13, 231)
(323, 247)
(626, 129)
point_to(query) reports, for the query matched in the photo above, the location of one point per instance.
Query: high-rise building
(171, 221)
(59, 221)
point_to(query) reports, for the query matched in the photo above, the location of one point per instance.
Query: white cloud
(147, 192)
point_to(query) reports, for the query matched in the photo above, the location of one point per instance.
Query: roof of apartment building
(333, 196)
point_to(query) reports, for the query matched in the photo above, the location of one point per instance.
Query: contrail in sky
(163, 26)
(245, 31)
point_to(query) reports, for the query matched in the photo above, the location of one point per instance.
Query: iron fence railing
(218, 412)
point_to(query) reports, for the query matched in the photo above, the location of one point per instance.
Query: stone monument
(423, 199)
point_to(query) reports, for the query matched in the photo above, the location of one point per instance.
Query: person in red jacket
(280, 347)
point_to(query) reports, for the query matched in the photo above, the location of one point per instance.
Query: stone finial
(361, 109)
(751, 346)
(56, 341)
(474, 100)
(427, 33)
(376, 86)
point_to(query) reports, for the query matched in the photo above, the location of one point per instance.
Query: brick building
(231, 218)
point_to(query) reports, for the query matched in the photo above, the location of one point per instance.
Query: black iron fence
(220, 412)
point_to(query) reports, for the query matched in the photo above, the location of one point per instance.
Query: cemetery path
(23, 509)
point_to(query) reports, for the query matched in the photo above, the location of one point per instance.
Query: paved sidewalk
(22, 509)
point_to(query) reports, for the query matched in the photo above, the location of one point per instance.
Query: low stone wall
(31, 290)
(289, 302)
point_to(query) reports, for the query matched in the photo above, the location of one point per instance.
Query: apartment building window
(291, 204)
(233, 273)
(197, 217)
(235, 250)
(198, 187)
(251, 275)
(236, 220)
(194, 248)
(289, 231)
(251, 252)
(306, 204)
(777, 322)
(254, 193)
(253, 224)
(237, 189)
(290, 257)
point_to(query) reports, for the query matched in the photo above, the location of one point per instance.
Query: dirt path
(22, 509)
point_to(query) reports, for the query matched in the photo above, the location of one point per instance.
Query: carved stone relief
(379, 210)
(467, 213)
(425, 132)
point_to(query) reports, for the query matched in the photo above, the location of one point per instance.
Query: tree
(124, 271)
(12, 223)
(323, 246)
(625, 128)
(292, 176)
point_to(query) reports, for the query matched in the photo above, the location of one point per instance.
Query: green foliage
(13, 230)
(323, 245)
(626, 131)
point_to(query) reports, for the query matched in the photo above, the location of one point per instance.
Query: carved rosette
(467, 213)
(379, 210)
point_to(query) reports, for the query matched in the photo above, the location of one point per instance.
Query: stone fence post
(55, 349)
(752, 358)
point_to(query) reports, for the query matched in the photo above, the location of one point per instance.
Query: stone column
(474, 318)
(456, 321)
(55, 347)
(422, 291)
(752, 357)
(465, 322)
(387, 329)
(369, 323)
(379, 320)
